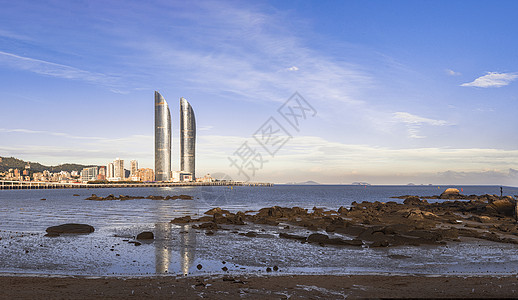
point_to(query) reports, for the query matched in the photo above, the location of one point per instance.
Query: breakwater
(29, 185)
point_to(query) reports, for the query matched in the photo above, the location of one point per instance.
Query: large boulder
(414, 200)
(146, 235)
(450, 193)
(216, 210)
(70, 228)
(503, 206)
(318, 238)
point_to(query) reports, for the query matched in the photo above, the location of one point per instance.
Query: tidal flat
(404, 239)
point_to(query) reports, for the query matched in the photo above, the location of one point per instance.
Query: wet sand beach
(259, 287)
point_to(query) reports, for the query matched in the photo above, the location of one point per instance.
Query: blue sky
(404, 91)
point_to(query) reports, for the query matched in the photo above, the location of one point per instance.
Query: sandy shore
(266, 287)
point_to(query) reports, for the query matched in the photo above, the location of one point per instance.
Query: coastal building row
(115, 171)
(45, 176)
(99, 173)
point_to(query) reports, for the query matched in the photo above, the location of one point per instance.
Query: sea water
(181, 250)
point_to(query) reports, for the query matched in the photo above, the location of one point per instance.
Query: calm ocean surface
(179, 249)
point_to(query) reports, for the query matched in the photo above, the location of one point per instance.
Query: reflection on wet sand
(164, 245)
(187, 248)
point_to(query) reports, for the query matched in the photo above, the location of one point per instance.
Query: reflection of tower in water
(164, 244)
(162, 247)
(187, 248)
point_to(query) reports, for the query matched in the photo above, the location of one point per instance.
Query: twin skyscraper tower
(163, 139)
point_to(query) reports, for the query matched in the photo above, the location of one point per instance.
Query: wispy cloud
(414, 123)
(58, 134)
(205, 128)
(250, 61)
(452, 73)
(413, 119)
(55, 70)
(492, 79)
(12, 35)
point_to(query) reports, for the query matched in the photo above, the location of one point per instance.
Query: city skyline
(405, 91)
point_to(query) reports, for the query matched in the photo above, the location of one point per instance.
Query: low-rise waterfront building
(89, 174)
(181, 176)
(146, 174)
(206, 178)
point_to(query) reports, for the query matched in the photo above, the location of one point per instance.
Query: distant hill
(309, 182)
(360, 183)
(7, 163)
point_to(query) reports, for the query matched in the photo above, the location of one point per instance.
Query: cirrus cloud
(492, 79)
(414, 123)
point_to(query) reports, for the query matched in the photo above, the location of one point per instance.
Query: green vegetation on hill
(15, 163)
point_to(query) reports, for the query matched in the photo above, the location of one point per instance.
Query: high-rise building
(110, 170)
(102, 173)
(162, 139)
(118, 166)
(134, 168)
(187, 138)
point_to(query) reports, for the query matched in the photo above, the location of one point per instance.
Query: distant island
(360, 183)
(309, 182)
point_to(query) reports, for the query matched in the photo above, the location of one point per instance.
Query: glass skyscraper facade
(187, 138)
(162, 139)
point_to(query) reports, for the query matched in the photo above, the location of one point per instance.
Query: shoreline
(30, 185)
(260, 287)
(217, 274)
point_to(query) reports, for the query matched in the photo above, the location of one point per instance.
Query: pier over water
(29, 185)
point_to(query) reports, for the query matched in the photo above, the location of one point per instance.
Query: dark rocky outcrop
(504, 207)
(377, 224)
(216, 210)
(146, 235)
(182, 220)
(323, 239)
(292, 236)
(69, 228)
(126, 197)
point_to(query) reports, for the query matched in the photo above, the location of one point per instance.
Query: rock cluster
(376, 224)
(126, 197)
